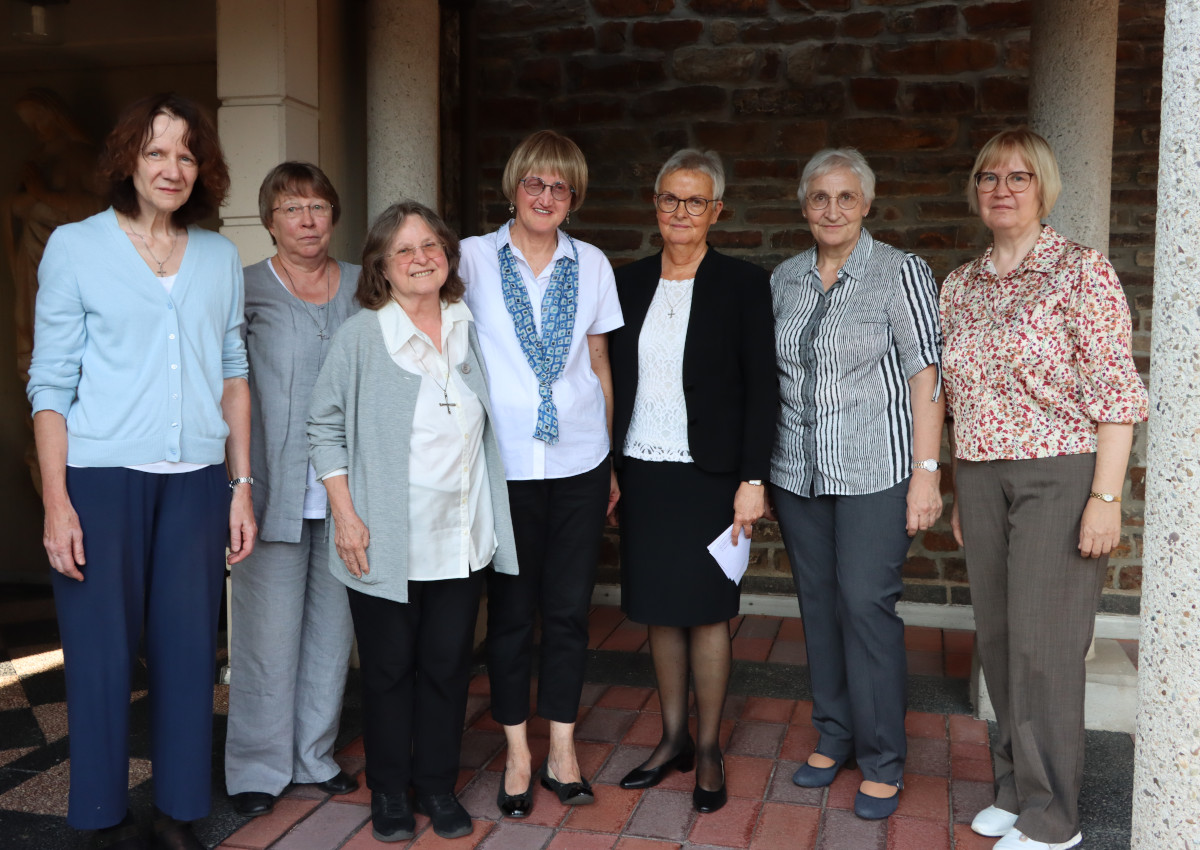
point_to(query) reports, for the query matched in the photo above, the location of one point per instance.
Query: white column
(403, 49)
(267, 63)
(1072, 81)
(1166, 793)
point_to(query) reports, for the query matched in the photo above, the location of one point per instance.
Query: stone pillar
(1072, 81)
(267, 80)
(403, 46)
(1166, 794)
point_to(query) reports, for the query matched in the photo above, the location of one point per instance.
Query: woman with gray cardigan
(401, 434)
(291, 625)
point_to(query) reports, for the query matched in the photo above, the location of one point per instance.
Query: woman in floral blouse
(1043, 392)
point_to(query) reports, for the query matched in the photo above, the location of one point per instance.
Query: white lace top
(658, 428)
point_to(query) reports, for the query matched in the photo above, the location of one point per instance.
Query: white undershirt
(658, 426)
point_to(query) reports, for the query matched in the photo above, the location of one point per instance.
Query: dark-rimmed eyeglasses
(432, 250)
(845, 200)
(318, 209)
(1016, 181)
(559, 191)
(668, 203)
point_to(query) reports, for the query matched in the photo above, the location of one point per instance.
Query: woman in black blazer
(694, 421)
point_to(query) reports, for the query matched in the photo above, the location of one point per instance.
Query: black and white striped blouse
(845, 358)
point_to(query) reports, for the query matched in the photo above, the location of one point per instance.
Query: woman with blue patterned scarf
(551, 389)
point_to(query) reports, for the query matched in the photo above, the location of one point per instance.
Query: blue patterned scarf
(546, 354)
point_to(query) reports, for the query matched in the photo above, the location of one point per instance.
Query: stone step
(1110, 702)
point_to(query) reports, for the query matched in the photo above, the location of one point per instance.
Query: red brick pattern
(917, 85)
(948, 780)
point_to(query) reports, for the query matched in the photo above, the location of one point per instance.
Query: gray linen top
(285, 354)
(361, 420)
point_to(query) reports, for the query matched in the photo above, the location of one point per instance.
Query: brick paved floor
(766, 733)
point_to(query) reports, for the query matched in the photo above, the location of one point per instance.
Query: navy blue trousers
(155, 547)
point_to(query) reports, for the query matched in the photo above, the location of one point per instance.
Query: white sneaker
(1014, 839)
(993, 822)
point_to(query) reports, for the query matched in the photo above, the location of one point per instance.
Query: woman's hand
(955, 522)
(63, 538)
(242, 528)
(1100, 529)
(352, 538)
(614, 496)
(749, 505)
(924, 500)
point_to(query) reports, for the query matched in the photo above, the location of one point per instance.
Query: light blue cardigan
(137, 373)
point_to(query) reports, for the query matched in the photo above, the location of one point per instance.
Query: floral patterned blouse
(1033, 360)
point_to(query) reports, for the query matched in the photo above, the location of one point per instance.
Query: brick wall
(917, 86)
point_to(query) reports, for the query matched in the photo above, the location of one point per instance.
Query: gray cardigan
(361, 420)
(285, 355)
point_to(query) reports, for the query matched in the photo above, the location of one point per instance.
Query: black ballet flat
(648, 777)
(569, 793)
(515, 805)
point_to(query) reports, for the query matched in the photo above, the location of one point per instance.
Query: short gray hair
(833, 159)
(691, 159)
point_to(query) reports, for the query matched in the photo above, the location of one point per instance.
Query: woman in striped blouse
(855, 472)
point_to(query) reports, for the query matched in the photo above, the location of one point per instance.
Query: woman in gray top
(290, 621)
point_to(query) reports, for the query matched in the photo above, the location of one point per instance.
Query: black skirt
(670, 512)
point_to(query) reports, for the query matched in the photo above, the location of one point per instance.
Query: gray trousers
(846, 554)
(291, 647)
(1035, 601)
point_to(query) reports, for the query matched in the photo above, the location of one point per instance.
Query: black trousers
(416, 662)
(558, 524)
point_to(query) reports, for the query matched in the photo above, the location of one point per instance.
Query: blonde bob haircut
(547, 152)
(1038, 156)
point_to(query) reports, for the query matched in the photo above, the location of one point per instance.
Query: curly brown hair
(374, 290)
(124, 145)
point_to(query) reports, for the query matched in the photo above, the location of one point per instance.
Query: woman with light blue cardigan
(401, 434)
(142, 417)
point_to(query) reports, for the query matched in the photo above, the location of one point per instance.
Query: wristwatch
(1105, 497)
(927, 465)
(244, 480)
(756, 482)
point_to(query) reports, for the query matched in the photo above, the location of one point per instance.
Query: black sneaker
(450, 819)
(391, 817)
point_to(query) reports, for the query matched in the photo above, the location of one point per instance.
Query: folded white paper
(733, 559)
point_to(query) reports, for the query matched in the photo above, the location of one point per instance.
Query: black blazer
(729, 382)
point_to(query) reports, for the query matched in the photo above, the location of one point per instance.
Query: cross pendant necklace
(321, 308)
(445, 388)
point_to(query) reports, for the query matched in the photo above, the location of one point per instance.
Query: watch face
(927, 465)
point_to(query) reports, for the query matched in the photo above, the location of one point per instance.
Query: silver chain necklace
(445, 388)
(321, 308)
(146, 245)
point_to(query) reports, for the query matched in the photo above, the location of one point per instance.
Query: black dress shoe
(449, 818)
(705, 801)
(391, 817)
(171, 834)
(648, 777)
(515, 805)
(339, 783)
(124, 836)
(250, 804)
(569, 793)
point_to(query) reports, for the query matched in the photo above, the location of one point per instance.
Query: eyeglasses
(559, 191)
(845, 200)
(1016, 181)
(431, 250)
(292, 212)
(668, 203)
